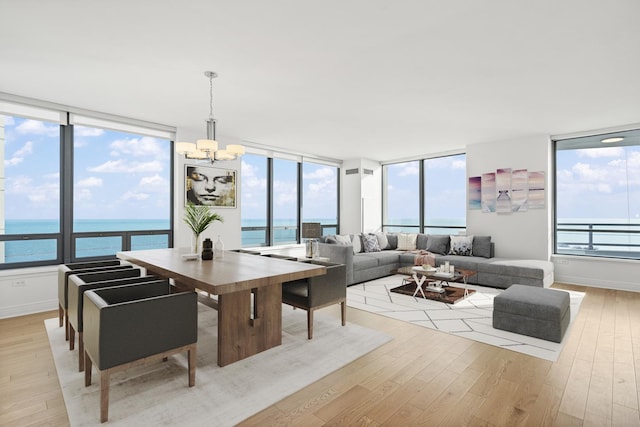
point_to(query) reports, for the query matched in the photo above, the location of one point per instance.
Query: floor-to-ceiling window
(445, 194)
(320, 195)
(30, 194)
(73, 191)
(121, 184)
(279, 193)
(402, 196)
(427, 195)
(597, 195)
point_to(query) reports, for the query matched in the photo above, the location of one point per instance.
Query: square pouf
(532, 311)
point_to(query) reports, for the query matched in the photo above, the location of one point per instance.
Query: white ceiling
(345, 79)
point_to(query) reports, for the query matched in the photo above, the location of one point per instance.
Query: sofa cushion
(421, 241)
(383, 242)
(343, 239)
(481, 246)
(392, 238)
(438, 244)
(364, 261)
(461, 245)
(407, 241)
(356, 241)
(370, 243)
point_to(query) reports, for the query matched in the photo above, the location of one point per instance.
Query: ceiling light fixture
(208, 148)
(612, 140)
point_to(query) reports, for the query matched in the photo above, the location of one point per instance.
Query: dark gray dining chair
(319, 291)
(65, 270)
(80, 283)
(125, 326)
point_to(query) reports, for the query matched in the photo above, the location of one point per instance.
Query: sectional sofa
(365, 261)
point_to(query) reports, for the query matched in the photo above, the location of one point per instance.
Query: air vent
(367, 171)
(351, 171)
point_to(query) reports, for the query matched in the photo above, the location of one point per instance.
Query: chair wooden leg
(104, 395)
(72, 338)
(66, 325)
(87, 370)
(80, 352)
(191, 354)
(310, 322)
(60, 315)
(343, 309)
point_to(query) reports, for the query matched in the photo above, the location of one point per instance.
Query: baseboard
(598, 283)
(31, 308)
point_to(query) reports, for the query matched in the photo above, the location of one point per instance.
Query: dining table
(245, 289)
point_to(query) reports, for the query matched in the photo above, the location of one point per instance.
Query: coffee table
(420, 276)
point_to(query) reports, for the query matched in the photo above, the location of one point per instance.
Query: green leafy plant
(199, 218)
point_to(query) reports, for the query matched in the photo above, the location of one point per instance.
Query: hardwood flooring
(421, 377)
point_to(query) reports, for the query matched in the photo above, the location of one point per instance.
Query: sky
(599, 183)
(117, 175)
(445, 189)
(319, 190)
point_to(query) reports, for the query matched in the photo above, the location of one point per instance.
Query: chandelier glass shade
(204, 149)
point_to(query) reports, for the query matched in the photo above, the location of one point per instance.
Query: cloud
(122, 166)
(134, 195)
(250, 181)
(145, 146)
(82, 194)
(154, 181)
(407, 169)
(20, 154)
(85, 131)
(321, 173)
(38, 191)
(8, 120)
(89, 182)
(596, 153)
(35, 127)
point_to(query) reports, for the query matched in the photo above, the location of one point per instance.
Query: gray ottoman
(536, 312)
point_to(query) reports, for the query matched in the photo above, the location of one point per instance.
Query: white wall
(518, 234)
(230, 229)
(360, 197)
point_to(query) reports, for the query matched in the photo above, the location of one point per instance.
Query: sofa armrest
(339, 254)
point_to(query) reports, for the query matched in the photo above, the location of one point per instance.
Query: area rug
(469, 318)
(158, 394)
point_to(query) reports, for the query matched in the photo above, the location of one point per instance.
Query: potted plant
(199, 218)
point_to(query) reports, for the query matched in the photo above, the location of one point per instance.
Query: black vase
(207, 249)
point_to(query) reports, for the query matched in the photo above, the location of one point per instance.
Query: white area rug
(158, 393)
(470, 318)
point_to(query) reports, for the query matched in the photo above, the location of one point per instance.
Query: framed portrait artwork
(210, 186)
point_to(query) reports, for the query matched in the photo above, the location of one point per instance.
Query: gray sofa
(490, 271)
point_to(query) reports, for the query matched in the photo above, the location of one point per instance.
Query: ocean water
(47, 249)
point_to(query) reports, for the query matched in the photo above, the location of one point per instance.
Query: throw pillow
(383, 242)
(393, 240)
(421, 241)
(370, 243)
(438, 244)
(482, 246)
(331, 240)
(344, 240)
(357, 244)
(461, 245)
(407, 241)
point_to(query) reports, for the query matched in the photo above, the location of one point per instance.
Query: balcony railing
(598, 239)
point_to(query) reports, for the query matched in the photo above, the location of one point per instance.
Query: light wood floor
(420, 377)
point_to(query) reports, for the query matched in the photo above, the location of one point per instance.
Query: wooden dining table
(248, 289)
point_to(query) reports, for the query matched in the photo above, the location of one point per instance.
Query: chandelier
(208, 148)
